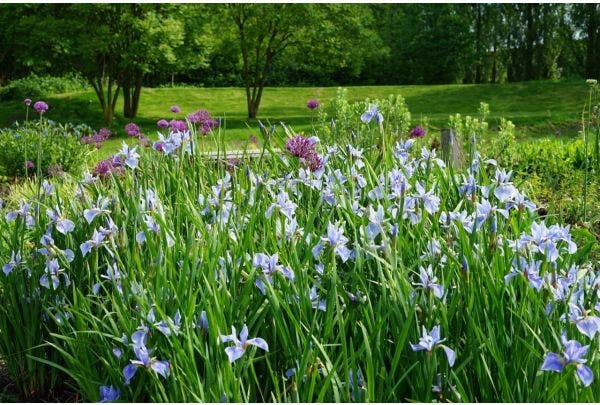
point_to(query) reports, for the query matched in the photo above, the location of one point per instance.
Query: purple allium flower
(304, 148)
(27, 102)
(132, 129)
(178, 126)
(208, 126)
(109, 393)
(417, 132)
(175, 109)
(107, 166)
(300, 146)
(199, 117)
(314, 162)
(241, 344)
(573, 354)
(162, 123)
(312, 104)
(104, 133)
(41, 106)
(431, 341)
(98, 138)
(29, 164)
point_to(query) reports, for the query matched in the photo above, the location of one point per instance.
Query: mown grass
(538, 108)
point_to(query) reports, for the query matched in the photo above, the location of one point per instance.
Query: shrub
(36, 87)
(341, 118)
(37, 146)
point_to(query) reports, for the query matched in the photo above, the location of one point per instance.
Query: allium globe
(27, 102)
(162, 124)
(175, 109)
(132, 129)
(312, 104)
(199, 117)
(417, 132)
(107, 166)
(40, 106)
(300, 146)
(178, 126)
(304, 148)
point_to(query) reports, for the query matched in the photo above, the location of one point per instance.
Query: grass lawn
(538, 108)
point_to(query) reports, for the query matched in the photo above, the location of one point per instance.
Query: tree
(265, 31)
(111, 45)
(150, 35)
(587, 19)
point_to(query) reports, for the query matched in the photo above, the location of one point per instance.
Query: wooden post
(450, 147)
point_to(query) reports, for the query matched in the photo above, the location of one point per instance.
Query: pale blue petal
(161, 368)
(417, 347)
(259, 342)
(450, 354)
(85, 247)
(90, 214)
(234, 353)
(244, 334)
(588, 326)
(585, 374)
(128, 372)
(163, 327)
(553, 362)
(108, 394)
(438, 290)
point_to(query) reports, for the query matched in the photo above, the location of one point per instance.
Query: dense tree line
(118, 48)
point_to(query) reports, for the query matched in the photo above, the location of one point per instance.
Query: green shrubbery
(42, 147)
(36, 87)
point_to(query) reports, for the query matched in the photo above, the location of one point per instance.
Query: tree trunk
(478, 43)
(252, 109)
(127, 110)
(593, 38)
(530, 38)
(494, 65)
(137, 91)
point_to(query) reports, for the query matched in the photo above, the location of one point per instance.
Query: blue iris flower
(430, 341)
(372, 112)
(572, 355)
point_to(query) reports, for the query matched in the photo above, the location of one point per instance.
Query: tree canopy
(118, 48)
